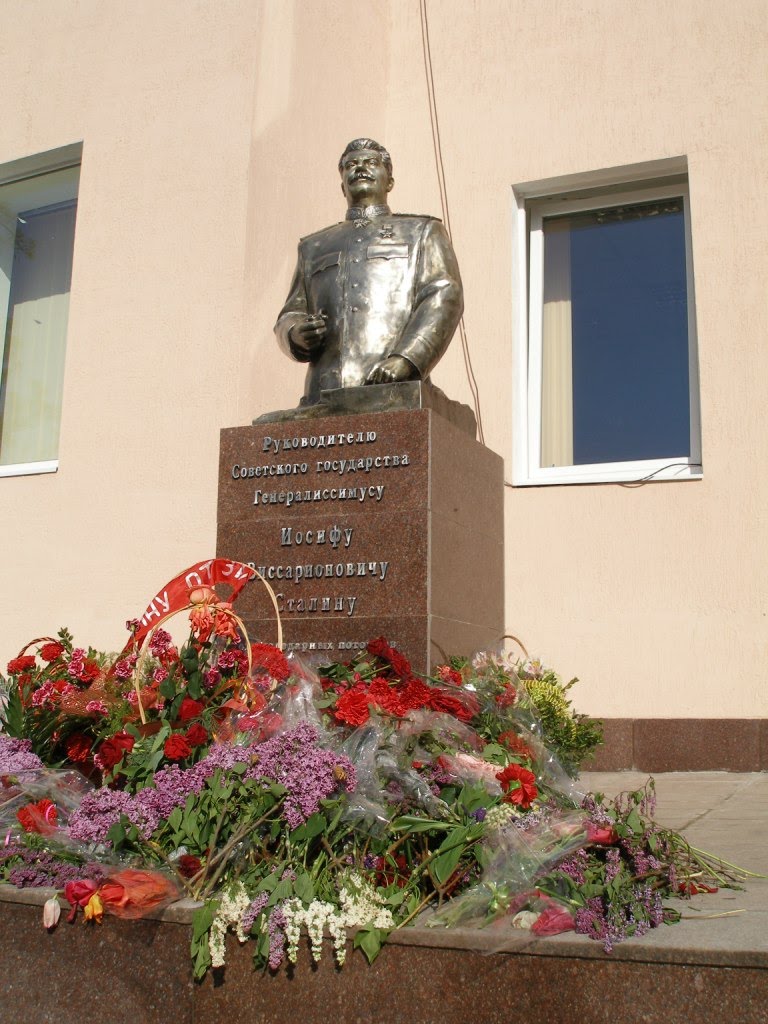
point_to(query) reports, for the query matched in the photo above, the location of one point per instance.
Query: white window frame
(19, 170)
(533, 203)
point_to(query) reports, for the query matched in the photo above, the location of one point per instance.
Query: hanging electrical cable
(444, 201)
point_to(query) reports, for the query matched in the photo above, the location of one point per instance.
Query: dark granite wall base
(683, 745)
(138, 972)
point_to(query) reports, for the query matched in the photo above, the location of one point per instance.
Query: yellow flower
(94, 911)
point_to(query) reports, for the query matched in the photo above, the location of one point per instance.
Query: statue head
(366, 173)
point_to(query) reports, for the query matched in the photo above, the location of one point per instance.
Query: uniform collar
(365, 214)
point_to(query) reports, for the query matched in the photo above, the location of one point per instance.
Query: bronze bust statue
(376, 298)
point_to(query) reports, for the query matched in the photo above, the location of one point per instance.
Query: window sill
(614, 473)
(30, 468)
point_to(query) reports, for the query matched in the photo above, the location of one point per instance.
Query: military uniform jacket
(386, 285)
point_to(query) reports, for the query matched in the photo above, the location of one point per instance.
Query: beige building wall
(211, 133)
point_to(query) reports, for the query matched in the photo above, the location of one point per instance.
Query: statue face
(365, 180)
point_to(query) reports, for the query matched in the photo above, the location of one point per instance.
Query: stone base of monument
(368, 523)
(139, 972)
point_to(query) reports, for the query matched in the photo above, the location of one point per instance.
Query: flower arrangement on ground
(292, 801)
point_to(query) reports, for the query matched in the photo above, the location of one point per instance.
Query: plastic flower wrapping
(318, 803)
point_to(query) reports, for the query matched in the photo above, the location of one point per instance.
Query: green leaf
(412, 823)
(452, 847)
(14, 715)
(634, 821)
(116, 835)
(168, 688)
(304, 888)
(369, 940)
(195, 685)
(202, 919)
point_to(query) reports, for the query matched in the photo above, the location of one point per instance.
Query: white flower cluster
(232, 906)
(499, 817)
(360, 905)
(315, 918)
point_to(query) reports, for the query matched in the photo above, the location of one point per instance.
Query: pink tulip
(51, 912)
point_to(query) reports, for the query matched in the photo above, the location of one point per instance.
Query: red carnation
(524, 782)
(196, 735)
(352, 708)
(271, 661)
(78, 748)
(190, 709)
(21, 664)
(51, 651)
(514, 743)
(400, 664)
(176, 747)
(415, 695)
(112, 750)
(382, 694)
(89, 671)
(40, 817)
(450, 675)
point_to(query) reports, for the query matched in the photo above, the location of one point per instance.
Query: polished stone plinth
(367, 524)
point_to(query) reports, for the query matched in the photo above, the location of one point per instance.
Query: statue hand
(392, 370)
(307, 336)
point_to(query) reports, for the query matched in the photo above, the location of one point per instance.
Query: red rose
(462, 705)
(40, 817)
(176, 747)
(379, 648)
(21, 664)
(352, 708)
(400, 664)
(196, 735)
(113, 749)
(524, 782)
(51, 651)
(78, 748)
(188, 866)
(190, 709)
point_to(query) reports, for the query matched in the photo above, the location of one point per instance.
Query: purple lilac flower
(276, 928)
(612, 863)
(40, 869)
(575, 866)
(16, 756)
(308, 772)
(248, 919)
(480, 814)
(98, 812)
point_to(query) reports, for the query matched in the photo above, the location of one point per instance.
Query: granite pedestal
(366, 524)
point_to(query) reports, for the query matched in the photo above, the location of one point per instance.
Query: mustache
(362, 176)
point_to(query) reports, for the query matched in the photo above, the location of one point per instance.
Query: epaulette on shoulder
(322, 231)
(417, 216)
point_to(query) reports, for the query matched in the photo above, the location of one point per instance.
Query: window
(606, 370)
(37, 226)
